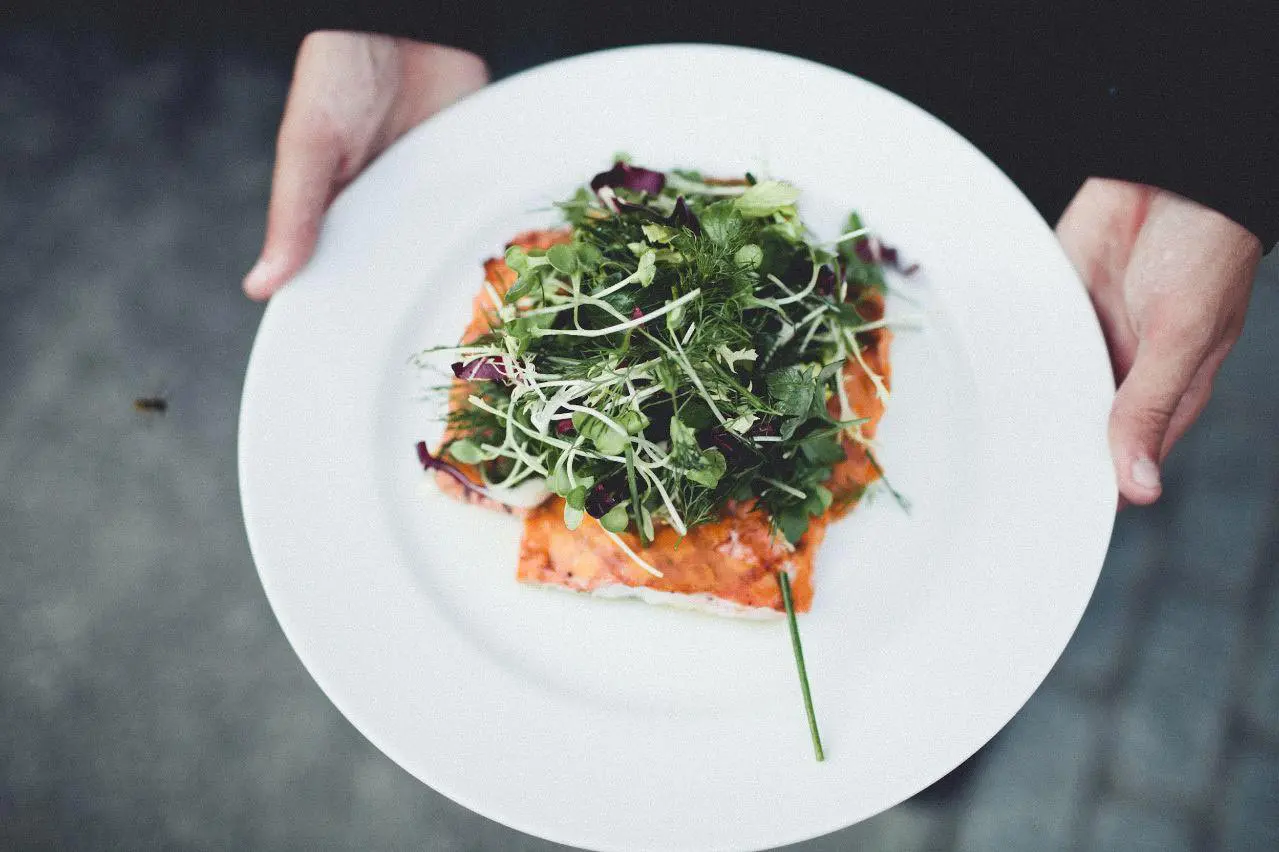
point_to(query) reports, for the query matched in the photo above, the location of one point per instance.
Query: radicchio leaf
(630, 177)
(603, 496)
(826, 281)
(683, 217)
(872, 250)
(481, 370)
(735, 452)
(764, 426)
(430, 462)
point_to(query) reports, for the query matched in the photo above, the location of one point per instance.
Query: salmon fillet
(727, 566)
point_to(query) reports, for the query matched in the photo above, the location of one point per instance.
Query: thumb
(1143, 409)
(306, 172)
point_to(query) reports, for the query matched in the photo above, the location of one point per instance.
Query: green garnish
(684, 349)
(783, 580)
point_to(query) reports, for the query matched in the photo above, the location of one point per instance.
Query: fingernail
(255, 283)
(1145, 473)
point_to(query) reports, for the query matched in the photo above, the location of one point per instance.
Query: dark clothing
(1052, 92)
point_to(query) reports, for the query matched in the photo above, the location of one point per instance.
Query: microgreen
(680, 352)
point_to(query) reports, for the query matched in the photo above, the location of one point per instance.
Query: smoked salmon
(727, 566)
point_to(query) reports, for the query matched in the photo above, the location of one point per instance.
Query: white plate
(620, 726)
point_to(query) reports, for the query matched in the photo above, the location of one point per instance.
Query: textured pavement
(147, 697)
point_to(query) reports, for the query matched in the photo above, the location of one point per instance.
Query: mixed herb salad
(684, 346)
(681, 351)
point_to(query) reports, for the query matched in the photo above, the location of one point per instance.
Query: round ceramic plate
(621, 726)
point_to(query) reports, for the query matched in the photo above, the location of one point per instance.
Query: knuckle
(1180, 328)
(1145, 416)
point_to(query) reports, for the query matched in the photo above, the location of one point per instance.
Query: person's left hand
(1170, 281)
(352, 95)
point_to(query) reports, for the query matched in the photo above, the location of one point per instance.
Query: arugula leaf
(793, 523)
(681, 435)
(792, 389)
(789, 426)
(696, 414)
(825, 449)
(722, 224)
(828, 371)
(713, 465)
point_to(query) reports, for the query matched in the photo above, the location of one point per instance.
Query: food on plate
(678, 392)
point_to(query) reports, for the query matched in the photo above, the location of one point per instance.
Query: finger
(304, 182)
(1143, 410)
(308, 160)
(432, 77)
(1116, 330)
(1194, 401)
(1097, 231)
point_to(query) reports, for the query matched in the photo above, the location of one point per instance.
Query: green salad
(682, 346)
(679, 352)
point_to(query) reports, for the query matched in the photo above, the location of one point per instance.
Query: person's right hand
(352, 95)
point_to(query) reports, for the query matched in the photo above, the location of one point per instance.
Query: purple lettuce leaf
(603, 496)
(430, 462)
(683, 217)
(481, 370)
(873, 250)
(825, 281)
(734, 450)
(630, 177)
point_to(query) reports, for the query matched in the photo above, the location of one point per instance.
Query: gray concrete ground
(148, 698)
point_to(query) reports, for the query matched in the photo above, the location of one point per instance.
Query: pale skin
(1169, 278)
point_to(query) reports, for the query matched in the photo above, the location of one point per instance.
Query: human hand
(1170, 281)
(352, 95)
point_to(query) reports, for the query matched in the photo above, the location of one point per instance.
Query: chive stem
(636, 510)
(783, 580)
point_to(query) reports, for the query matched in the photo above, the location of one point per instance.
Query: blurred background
(147, 696)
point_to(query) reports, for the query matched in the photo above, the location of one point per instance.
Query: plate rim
(254, 368)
